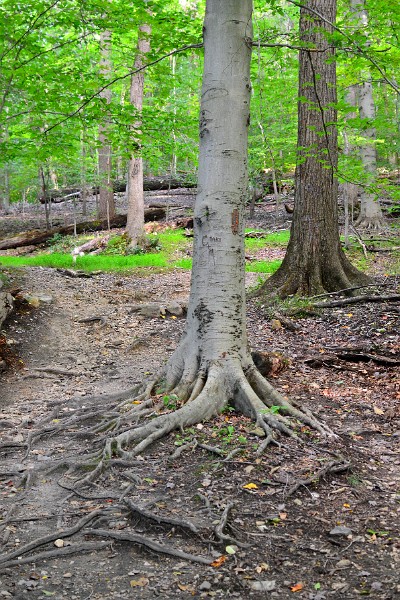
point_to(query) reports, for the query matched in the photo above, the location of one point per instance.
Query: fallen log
(35, 237)
(150, 184)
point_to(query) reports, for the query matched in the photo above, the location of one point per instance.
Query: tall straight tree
(135, 194)
(371, 216)
(315, 262)
(106, 194)
(212, 364)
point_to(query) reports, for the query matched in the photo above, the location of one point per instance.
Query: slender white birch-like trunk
(135, 194)
(370, 216)
(106, 194)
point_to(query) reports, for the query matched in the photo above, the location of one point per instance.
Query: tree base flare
(147, 417)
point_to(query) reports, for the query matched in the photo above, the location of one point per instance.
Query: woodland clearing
(200, 513)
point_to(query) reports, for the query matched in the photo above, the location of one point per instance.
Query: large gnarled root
(206, 395)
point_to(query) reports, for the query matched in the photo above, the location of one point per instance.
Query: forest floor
(335, 537)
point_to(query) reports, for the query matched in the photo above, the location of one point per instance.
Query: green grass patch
(263, 266)
(86, 263)
(277, 239)
(257, 266)
(166, 251)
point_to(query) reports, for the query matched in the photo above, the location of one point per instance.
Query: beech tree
(106, 194)
(135, 193)
(315, 262)
(212, 364)
(370, 216)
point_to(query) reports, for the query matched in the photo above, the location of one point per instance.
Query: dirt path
(287, 540)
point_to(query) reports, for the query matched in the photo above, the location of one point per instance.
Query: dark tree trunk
(314, 261)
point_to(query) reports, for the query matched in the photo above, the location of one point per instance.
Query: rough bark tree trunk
(106, 194)
(315, 262)
(135, 195)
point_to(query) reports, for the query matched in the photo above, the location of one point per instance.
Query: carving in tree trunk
(314, 261)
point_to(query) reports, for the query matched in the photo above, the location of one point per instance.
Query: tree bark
(314, 261)
(371, 216)
(212, 364)
(106, 195)
(135, 192)
(350, 190)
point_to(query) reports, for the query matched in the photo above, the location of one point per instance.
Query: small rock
(45, 299)
(340, 530)
(59, 543)
(376, 585)
(262, 586)
(276, 324)
(67, 575)
(175, 309)
(205, 586)
(342, 564)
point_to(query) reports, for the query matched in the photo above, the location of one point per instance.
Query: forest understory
(202, 512)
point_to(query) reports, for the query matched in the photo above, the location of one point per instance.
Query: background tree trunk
(350, 190)
(314, 261)
(135, 193)
(370, 216)
(106, 194)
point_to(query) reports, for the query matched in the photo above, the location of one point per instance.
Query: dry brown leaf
(219, 562)
(141, 582)
(297, 588)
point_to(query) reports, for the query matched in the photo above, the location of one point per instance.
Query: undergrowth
(162, 250)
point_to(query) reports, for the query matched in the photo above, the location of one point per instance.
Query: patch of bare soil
(201, 514)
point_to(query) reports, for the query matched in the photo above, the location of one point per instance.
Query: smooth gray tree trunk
(135, 193)
(212, 365)
(371, 216)
(350, 189)
(106, 194)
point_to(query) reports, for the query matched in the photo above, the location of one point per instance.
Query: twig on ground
(334, 466)
(357, 300)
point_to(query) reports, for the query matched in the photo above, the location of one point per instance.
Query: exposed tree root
(59, 553)
(142, 512)
(220, 526)
(141, 540)
(375, 223)
(51, 537)
(130, 422)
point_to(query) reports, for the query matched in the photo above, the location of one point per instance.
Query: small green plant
(170, 401)
(117, 245)
(226, 433)
(273, 410)
(378, 533)
(354, 480)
